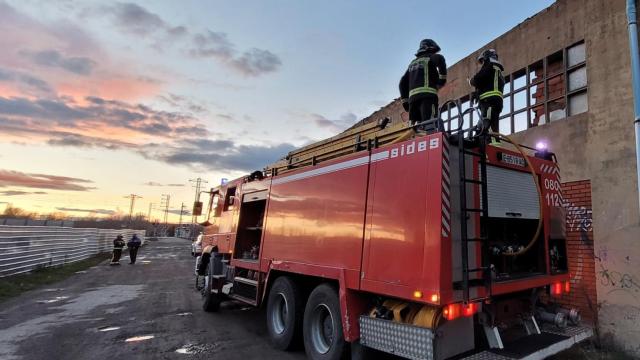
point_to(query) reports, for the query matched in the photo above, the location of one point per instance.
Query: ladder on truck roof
(364, 137)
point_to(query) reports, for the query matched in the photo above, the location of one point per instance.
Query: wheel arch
(352, 302)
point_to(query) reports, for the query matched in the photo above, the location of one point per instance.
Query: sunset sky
(99, 100)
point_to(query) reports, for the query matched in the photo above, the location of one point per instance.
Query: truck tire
(322, 326)
(211, 301)
(284, 313)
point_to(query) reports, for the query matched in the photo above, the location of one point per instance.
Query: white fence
(25, 248)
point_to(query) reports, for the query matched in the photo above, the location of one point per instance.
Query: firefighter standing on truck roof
(420, 83)
(489, 84)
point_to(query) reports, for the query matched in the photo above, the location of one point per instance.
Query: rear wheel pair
(319, 320)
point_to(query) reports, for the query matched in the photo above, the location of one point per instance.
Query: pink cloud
(42, 181)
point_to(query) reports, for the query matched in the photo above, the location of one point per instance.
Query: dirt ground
(149, 310)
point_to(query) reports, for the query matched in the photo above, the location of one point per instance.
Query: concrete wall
(597, 145)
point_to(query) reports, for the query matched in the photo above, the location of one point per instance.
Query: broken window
(549, 89)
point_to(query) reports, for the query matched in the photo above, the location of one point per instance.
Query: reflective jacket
(424, 76)
(489, 81)
(118, 244)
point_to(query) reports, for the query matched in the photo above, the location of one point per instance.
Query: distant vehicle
(196, 246)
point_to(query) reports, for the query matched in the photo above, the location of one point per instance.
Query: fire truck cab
(430, 246)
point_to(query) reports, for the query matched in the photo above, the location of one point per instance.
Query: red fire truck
(426, 245)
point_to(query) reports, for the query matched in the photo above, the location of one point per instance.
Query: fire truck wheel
(284, 313)
(211, 301)
(322, 327)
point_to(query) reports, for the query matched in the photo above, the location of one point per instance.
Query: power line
(182, 211)
(197, 185)
(164, 203)
(149, 214)
(132, 198)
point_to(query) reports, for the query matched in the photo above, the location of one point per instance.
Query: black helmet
(489, 54)
(428, 45)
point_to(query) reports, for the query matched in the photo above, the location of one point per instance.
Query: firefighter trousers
(115, 259)
(423, 109)
(491, 108)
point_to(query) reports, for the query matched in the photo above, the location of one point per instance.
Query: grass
(15, 285)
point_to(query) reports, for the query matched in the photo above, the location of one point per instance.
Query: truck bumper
(418, 343)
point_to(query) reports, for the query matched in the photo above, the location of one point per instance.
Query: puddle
(108, 328)
(92, 319)
(81, 272)
(194, 349)
(146, 262)
(52, 290)
(184, 314)
(69, 312)
(115, 310)
(140, 338)
(54, 300)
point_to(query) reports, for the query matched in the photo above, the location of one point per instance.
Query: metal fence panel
(26, 248)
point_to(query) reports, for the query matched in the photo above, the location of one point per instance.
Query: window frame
(529, 108)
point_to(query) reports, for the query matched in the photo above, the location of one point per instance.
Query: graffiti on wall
(579, 218)
(616, 281)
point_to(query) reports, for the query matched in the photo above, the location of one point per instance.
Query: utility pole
(197, 184)
(149, 214)
(164, 202)
(182, 212)
(133, 198)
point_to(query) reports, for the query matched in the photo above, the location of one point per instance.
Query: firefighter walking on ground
(489, 84)
(420, 83)
(133, 245)
(118, 245)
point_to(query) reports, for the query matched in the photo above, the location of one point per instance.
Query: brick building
(569, 83)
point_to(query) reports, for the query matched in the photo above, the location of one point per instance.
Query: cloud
(88, 211)
(135, 19)
(182, 102)
(26, 83)
(154, 183)
(216, 45)
(43, 181)
(212, 44)
(223, 155)
(177, 212)
(342, 123)
(53, 58)
(20, 192)
(72, 123)
(53, 50)
(256, 62)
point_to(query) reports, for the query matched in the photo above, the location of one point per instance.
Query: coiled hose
(540, 198)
